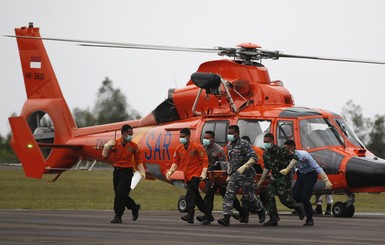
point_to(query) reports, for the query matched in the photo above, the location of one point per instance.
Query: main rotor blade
(153, 47)
(330, 59)
(122, 45)
(231, 52)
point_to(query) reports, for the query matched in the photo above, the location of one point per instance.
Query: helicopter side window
(220, 130)
(316, 132)
(284, 132)
(255, 129)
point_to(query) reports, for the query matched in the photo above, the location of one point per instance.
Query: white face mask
(267, 145)
(230, 137)
(183, 140)
(128, 138)
(206, 142)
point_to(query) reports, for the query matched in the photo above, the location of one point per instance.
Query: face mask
(230, 137)
(206, 142)
(267, 145)
(128, 137)
(183, 140)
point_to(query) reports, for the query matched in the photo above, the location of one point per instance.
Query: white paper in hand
(135, 180)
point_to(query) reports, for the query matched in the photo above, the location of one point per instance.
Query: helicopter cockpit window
(220, 130)
(349, 133)
(255, 129)
(317, 132)
(284, 132)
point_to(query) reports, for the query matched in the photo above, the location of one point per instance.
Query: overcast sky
(348, 29)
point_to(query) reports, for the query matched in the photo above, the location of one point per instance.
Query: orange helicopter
(220, 93)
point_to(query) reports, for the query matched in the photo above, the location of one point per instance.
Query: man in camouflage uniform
(215, 153)
(275, 159)
(241, 175)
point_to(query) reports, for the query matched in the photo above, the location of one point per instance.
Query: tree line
(371, 131)
(111, 106)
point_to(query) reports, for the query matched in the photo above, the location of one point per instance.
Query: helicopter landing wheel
(182, 205)
(338, 209)
(349, 211)
(341, 209)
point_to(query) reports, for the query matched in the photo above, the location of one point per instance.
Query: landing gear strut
(344, 209)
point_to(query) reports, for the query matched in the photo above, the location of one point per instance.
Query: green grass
(93, 190)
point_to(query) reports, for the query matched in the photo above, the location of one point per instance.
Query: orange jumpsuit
(125, 157)
(193, 160)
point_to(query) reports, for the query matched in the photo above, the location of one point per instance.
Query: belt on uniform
(119, 168)
(306, 172)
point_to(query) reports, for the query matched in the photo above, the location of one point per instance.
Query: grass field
(93, 190)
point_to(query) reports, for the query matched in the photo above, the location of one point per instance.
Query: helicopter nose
(365, 172)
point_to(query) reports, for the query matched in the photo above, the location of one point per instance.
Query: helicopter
(232, 91)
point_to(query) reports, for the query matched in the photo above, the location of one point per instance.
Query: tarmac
(166, 227)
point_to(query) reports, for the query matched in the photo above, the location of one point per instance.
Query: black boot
(301, 211)
(207, 219)
(262, 215)
(318, 209)
(200, 218)
(235, 216)
(272, 221)
(244, 214)
(328, 209)
(225, 221)
(135, 212)
(277, 216)
(189, 218)
(117, 220)
(309, 222)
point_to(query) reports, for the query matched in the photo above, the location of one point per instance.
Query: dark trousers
(193, 197)
(303, 189)
(211, 189)
(122, 186)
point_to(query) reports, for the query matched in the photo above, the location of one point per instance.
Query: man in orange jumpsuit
(125, 155)
(192, 156)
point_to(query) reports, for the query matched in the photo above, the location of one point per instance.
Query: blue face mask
(206, 142)
(128, 138)
(230, 137)
(267, 145)
(183, 140)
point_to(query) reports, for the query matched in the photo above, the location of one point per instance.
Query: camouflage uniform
(239, 153)
(275, 159)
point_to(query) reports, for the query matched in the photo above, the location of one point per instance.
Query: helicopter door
(285, 131)
(219, 128)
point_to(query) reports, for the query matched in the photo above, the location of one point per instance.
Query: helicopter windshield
(352, 137)
(318, 132)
